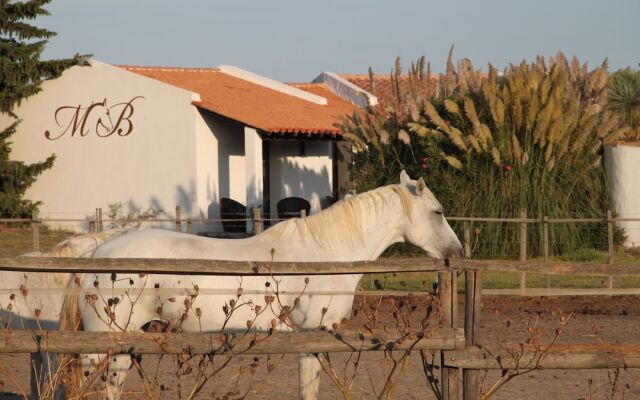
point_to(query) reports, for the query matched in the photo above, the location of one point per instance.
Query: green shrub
(585, 255)
(493, 144)
(133, 218)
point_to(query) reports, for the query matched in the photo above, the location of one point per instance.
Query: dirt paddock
(590, 320)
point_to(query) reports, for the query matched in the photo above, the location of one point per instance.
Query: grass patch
(16, 241)
(419, 281)
(585, 255)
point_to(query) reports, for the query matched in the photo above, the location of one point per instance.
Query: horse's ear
(404, 178)
(421, 187)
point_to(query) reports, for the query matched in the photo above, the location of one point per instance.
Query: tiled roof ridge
(272, 84)
(169, 69)
(379, 76)
(305, 84)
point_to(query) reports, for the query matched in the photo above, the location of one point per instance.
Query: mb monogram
(99, 118)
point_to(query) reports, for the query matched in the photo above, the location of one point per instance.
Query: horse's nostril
(457, 252)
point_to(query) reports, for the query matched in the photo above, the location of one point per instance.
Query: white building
(622, 162)
(161, 137)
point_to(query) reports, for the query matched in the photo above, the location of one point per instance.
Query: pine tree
(21, 74)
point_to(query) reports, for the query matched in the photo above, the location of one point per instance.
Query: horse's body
(35, 300)
(358, 228)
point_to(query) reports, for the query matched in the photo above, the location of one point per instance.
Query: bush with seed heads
(529, 137)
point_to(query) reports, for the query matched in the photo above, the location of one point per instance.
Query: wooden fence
(257, 220)
(460, 353)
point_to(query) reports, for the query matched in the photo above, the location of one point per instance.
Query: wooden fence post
(471, 378)
(189, 225)
(545, 239)
(466, 239)
(257, 220)
(178, 219)
(448, 296)
(303, 213)
(523, 246)
(100, 226)
(610, 244)
(36, 230)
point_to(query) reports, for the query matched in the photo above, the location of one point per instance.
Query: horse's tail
(78, 247)
(70, 317)
(71, 320)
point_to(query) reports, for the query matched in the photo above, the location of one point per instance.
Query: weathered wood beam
(382, 265)
(552, 267)
(25, 341)
(573, 356)
(216, 267)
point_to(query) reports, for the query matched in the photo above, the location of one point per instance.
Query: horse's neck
(381, 226)
(382, 229)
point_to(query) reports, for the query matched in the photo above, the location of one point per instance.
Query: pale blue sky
(295, 40)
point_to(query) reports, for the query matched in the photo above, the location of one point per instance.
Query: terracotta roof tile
(266, 109)
(383, 89)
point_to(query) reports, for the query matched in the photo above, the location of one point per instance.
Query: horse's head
(104, 124)
(428, 228)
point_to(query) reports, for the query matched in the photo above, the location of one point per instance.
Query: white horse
(359, 227)
(36, 300)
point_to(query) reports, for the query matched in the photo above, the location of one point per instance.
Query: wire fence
(520, 237)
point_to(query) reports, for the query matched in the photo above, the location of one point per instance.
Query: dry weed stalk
(50, 379)
(413, 326)
(207, 367)
(541, 334)
(612, 389)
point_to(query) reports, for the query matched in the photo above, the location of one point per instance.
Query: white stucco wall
(154, 165)
(221, 164)
(207, 169)
(623, 165)
(291, 174)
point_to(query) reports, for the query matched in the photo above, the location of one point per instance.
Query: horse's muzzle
(456, 251)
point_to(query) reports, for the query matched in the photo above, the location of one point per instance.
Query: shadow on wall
(214, 211)
(301, 181)
(184, 197)
(230, 138)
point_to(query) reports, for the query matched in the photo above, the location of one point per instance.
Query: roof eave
(282, 131)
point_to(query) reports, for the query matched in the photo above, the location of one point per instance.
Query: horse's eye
(440, 212)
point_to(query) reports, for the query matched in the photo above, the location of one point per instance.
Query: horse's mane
(341, 224)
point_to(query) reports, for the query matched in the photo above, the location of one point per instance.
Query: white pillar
(253, 169)
(622, 163)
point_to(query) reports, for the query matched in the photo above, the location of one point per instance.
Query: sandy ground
(591, 320)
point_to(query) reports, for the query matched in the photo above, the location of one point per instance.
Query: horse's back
(159, 243)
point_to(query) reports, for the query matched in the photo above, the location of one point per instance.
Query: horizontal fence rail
(190, 291)
(24, 341)
(250, 218)
(551, 267)
(257, 268)
(560, 356)
(216, 267)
